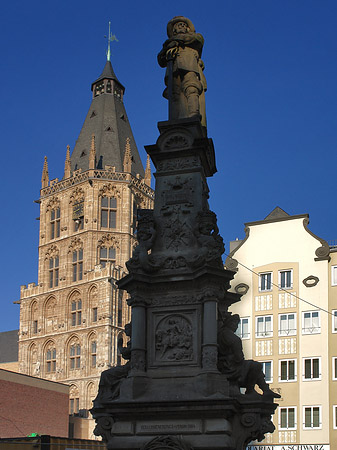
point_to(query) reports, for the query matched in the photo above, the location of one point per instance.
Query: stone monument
(186, 384)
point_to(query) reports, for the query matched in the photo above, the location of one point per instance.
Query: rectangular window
(334, 276)
(334, 321)
(287, 371)
(265, 281)
(107, 255)
(312, 417)
(267, 367)
(108, 212)
(55, 223)
(94, 314)
(35, 327)
(285, 279)
(287, 324)
(287, 418)
(78, 265)
(264, 326)
(74, 405)
(75, 356)
(311, 322)
(93, 353)
(311, 369)
(243, 328)
(54, 272)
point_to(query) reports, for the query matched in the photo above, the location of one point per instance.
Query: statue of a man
(184, 78)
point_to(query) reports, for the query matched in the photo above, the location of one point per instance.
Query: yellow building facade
(284, 273)
(71, 319)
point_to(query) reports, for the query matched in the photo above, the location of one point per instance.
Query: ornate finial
(45, 174)
(147, 177)
(67, 164)
(127, 156)
(111, 38)
(92, 155)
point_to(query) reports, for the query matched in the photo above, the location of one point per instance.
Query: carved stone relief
(174, 339)
(77, 196)
(109, 190)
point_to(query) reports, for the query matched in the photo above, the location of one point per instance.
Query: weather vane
(111, 38)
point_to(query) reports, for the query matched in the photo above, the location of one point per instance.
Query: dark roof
(277, 213)
(108, 121)
(108, 74)
(9, 346)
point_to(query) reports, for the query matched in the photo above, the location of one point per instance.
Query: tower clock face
(78, 210)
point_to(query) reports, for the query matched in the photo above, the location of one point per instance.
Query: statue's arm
(168, 44)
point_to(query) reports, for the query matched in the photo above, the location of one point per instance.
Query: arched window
(91, 395)
(108, 212)
(55, 222)
(107, 255)
(34, 317)
(78, 264)
(75, 356)
(54, 271)
(74, 400)
(93, 302)
(93, 354)
(50, 358)
(50, 315)
(76, 312)
(34, 362)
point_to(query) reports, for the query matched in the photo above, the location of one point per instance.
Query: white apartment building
(288, 310)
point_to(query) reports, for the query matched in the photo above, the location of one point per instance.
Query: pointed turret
(67, 165)
(92, 156)
(147, 178)
(108, 121)
(127, 163)
(45, 173)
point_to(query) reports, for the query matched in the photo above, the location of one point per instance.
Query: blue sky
(271, 104)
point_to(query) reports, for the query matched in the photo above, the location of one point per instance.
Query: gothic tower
(71, 320)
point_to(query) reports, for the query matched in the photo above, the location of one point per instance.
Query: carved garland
(53, 204)
(107, 240)
(75, 244)
(52, 252)
(109, 190)
(77, 196)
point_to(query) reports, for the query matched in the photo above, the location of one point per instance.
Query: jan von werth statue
(184, 78)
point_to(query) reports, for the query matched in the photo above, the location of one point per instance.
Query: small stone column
(138, 322)
(210, 331)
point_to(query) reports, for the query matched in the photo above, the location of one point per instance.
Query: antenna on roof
(111, 38)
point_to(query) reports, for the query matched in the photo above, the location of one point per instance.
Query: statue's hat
(176, 19)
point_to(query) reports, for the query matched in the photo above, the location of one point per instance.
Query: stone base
(226, 424)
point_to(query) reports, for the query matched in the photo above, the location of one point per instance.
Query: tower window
(55, 222)
(108, 87)
(76, 312)
(78, 264)
(93, 353)
(54, 272)
(75, 356)
(51, 360)
(108, 212)
(107, 255)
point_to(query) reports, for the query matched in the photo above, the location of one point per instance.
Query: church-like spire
(127, 157)
(147, 177)
(92, 156)
(108, 121)
(45, 174)
(67, 165)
